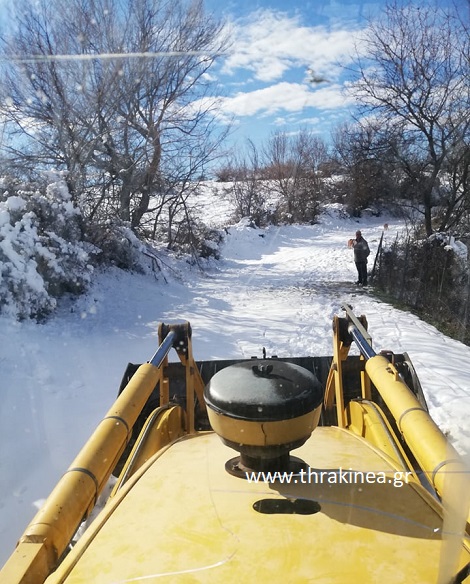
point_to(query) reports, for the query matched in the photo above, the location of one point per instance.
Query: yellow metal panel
(164, 425)
(368, 421)
(185, 519)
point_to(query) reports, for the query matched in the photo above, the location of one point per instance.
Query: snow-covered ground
(276, 288)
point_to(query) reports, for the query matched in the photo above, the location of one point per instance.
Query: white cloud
(283, 97)
(270, 43)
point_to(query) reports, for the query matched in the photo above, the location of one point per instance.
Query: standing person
(361, 253)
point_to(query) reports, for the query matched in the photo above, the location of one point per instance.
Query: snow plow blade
(309, 468)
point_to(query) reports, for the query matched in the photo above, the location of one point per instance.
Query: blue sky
(278, 47)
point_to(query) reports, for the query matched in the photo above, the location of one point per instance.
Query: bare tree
(292, 163)
(116, 94)
(413, 80)
(247, 190)
(366, 165)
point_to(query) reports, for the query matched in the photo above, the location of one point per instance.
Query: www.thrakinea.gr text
(331, 477)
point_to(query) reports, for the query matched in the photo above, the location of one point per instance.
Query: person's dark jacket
(361, 250)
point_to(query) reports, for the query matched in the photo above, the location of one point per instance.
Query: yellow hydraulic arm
(436, 457)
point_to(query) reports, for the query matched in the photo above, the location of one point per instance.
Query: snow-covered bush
(116, 244)
(42, 256)
(194, 238)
